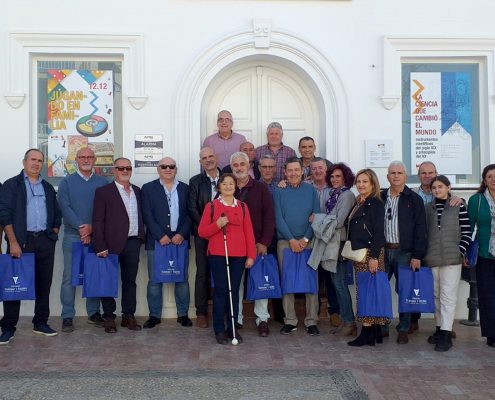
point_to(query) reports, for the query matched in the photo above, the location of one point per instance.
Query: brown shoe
(130, 322)
(452, 334)
(348, 329)
(335, 320)
(201, 321)
(110, 326)
(263, 329)
(413, 326)
(402, 338)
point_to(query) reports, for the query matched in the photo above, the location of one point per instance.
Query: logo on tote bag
(171, 263)
(15, 279)
(266, 279)
(416, 292)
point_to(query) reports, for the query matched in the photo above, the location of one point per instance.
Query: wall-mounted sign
(148, 151)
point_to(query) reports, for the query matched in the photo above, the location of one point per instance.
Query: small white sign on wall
(148, 151)
(378, 153)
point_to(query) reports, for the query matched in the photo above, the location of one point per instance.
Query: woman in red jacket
(227, 213)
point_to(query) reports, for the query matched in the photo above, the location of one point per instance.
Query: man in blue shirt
(76, 193)
(31, 219)
(293, 207)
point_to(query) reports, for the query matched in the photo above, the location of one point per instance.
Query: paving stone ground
(171, 361)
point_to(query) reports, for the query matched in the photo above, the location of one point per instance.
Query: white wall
(349, 34)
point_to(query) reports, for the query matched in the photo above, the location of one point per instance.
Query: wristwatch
(305, 239)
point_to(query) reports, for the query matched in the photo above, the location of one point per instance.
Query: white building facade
(339, 71)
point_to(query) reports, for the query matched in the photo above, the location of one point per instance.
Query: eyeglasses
(389, 213)
(164, 166)
(86, 157)
(224, 120)
(121, 169)
(267, 166)
(36, 194)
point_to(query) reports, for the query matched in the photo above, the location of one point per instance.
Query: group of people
(245, 203)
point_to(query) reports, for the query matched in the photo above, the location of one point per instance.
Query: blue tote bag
(170, 262)
(263, 279)
(17, 277)
(297, 275)
(416, 290)
(101, 276)
(79, 251)
(374, 295)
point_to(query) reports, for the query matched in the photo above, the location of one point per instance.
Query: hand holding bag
(170, 262)
(297, 275)
(263, 279)
(374, 295)
(17, 277)
(416, 290)
(101, 276)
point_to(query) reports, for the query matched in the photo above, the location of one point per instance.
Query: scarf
(334, 196)
(491, 204)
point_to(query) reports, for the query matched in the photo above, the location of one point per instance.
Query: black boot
(433, 339)
(444, 342)
(378, 333)
(367, 337)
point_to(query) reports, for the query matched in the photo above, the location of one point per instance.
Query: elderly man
(275, 148)
(202, 191)
(167, 222)
(405, 232)
(118, 229)
(259, 201)
(318, 179)
(307, 149)
(76, 193)
(248, 149)
(267, 167)
(31, 218)
(293, 207)
(225, 142)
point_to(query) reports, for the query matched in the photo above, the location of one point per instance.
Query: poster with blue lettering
(80, 105)
(441, 121)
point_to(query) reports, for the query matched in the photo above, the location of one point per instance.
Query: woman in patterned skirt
(365, 222)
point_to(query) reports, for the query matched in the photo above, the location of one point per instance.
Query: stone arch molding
(22, 45)
(262, 40)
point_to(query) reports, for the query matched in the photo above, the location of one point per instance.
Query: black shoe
(96, 320)
(444, 342)
(287, 329)
(490, 341)
(44, 329)
(433, 339)
(221, 338)
(378, 333)
(7, 336)
(313, 330)
(366, 337)
(237, 336)
(184, 320)
(152, 322)
(67, 325)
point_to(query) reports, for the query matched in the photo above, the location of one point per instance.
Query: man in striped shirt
(405, 232)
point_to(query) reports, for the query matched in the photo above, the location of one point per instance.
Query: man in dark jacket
(203, 189)
(405, 232)
(31, 218)
(167, 223)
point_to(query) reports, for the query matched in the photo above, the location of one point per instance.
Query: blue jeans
(221, 301)
(154, 293)
(342, 290)
(393, 259)
(67, 291)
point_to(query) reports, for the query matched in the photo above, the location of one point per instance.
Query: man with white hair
(276, 148)
(259, 201)
(405, 232)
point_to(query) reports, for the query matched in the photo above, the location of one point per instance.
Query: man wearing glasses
(225, 142)
(76, 193)
(167, 221)
(118, 229)
(31, 219)
(405, 232)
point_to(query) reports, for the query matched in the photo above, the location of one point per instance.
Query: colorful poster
(441, 121)
(80, 105)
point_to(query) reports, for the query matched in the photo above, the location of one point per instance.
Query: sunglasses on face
(164, 166)
(389, 213)
(122, 169)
